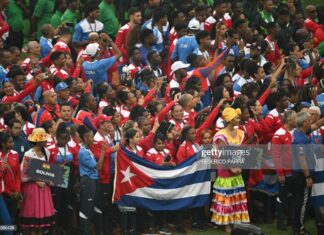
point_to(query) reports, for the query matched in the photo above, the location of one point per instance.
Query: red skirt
(37, 210)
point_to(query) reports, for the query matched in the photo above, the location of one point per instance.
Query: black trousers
(285, 202)
(128, 222)
(301, 194)
(319, 220)
(103, 209)
(87, 202)
(64, 203)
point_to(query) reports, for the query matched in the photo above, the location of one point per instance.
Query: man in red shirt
(49, 111)
(58, 60)
(274, 56)
(282, 158)
(188, 104)
(310, 22)
(135, 19)
(275, 116)
(103, 124)
(33, 56)
(61, 45)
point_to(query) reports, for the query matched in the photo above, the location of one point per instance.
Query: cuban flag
(142, 184)
(317, 198)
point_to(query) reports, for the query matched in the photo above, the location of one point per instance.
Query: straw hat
(39, 135)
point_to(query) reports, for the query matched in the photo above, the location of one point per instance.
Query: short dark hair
(133, 10)
(201, 34)
(13, 121)
(15, 71)
(179, 26)
(251, 67)
(159, 136)
(55, 55)
(109, 111)
(101, 89)
(144, 34)
(83, 130)
(158, 14)
(64, 104)
(122, 96)
(92, 6)
(150, 55)
(131, 51)
(237, 23)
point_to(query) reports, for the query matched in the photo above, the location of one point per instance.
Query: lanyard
(95, 26)
(63, 156)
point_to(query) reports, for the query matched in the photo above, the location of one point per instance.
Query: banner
(54, 174)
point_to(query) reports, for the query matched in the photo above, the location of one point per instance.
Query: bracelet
(308, 177)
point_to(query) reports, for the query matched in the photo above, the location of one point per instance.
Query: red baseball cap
(102, 118)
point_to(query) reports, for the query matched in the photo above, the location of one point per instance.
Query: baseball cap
(178, 65)
(92, 49)
(194, 24)
(102, 118)
(61, 86)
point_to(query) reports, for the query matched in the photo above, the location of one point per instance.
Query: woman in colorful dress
(229, 201)
(37, 210)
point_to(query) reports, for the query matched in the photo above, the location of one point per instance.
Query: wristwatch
(308, 177)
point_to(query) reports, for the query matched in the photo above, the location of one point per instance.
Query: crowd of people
(80, 79)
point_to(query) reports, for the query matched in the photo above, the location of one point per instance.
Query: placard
(52, 173)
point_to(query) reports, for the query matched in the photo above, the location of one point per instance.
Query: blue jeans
(4, 216)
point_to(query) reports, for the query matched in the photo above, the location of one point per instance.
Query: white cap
(194, 24)
(178, 65)
(92, 49)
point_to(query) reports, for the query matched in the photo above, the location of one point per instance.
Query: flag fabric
(142, 184)
(318, 186)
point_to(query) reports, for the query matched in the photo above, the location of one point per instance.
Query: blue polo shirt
(302, 147)
(87, 164)
(97, 70)
(185, 46)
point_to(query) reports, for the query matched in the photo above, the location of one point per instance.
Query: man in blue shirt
(158, 21)
(84, 27)
(45, 41)
(21, 144)
(187, 44)
(96, 70)
(4, 63)
(303, 165)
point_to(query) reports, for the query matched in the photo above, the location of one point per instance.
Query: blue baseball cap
(61, 86)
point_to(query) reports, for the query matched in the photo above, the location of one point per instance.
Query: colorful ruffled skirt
(229, 204)
(37, 210)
